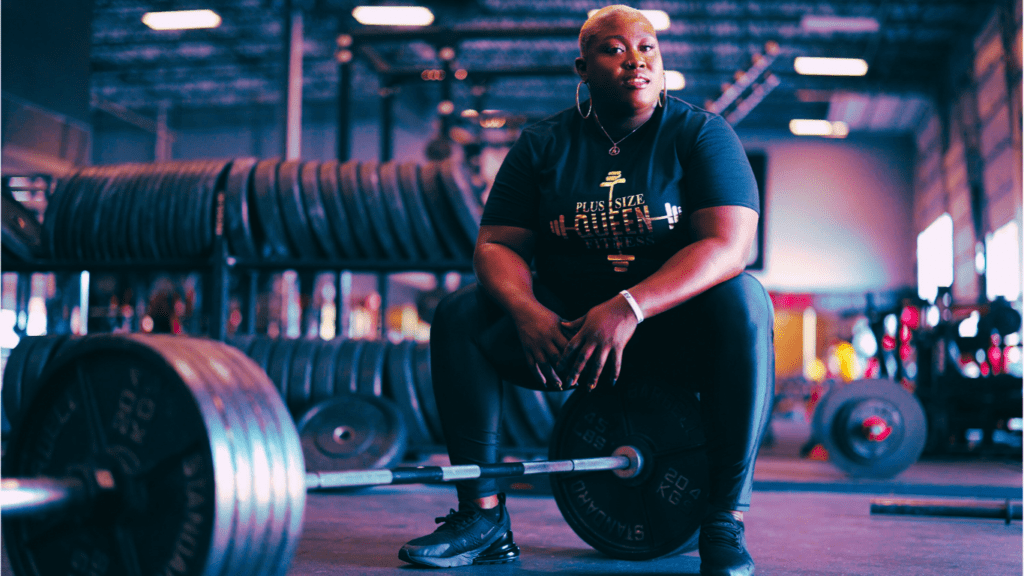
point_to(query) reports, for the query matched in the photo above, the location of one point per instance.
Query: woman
(634, 207)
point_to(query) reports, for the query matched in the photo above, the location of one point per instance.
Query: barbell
(172, 455)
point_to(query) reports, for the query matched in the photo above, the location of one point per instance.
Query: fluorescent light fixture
(819, 128)
(814, 23)
(658, 18)
(830, 66)
(181, 20)
(393, 15)
(674, 80)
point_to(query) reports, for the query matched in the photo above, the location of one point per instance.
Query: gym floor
(806, 519)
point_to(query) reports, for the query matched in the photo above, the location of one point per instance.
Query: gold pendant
(614, 150)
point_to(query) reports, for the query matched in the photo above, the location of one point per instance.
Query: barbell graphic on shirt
(161, 454)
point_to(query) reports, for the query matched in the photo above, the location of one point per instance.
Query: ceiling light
(830, 66)
(658, 18)
(674, 80)
(814, 23)
(393, 15)
(819, 128)
(181, 20)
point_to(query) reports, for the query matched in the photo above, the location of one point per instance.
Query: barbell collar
(435, 474)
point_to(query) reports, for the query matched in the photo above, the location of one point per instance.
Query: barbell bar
(25, 496)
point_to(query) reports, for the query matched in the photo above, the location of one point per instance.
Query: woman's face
(622, 64)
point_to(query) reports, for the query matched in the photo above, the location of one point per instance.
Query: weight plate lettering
(121, 405)
(655, 514)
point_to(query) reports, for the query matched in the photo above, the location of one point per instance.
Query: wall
(838, 213)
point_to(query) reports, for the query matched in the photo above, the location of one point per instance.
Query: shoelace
(722, 533)
(456, 519)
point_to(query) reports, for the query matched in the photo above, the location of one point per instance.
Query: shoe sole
(501, 551)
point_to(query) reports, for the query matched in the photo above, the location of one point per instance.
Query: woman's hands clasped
(599, 339)
(543, 339)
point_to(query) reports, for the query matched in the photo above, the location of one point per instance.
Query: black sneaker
(723, 549)
(466, 537)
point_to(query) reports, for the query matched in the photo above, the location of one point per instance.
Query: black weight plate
(464, 202)
(142, 215)
(190, 220)
(168, 218)
(110, 230)
(334, 207)
(260, 351)
(401, 388)
(82, 214)
(12, 393)
(425, 391)
(352, 432)
(274, 242)
(122, 248)
(213, 182)
(421, 225)
(22, 232)
(115, 225)
(237, 192)
(300, 376)
(242, 341)
(396, 211)
(536, 412)
(90, 235)
(313, 202)
(441, 214)
(52, 221)
(42, 352)
(847, 435)
(346, 369)
(293, 213)
(655, 514)
(324, 370)
(164, 205)
(168, 452)
(357, 210)
(380, 224)
(371, 368)
(515, 429)
(279, 365)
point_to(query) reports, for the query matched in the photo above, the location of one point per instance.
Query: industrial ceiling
(518, 55)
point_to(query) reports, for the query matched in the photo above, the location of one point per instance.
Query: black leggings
(719, 344)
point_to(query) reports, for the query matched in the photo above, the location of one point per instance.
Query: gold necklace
(614, 150)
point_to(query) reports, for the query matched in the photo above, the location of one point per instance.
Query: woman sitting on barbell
(634, 207)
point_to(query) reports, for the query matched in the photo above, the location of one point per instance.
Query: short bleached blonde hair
(589, 29)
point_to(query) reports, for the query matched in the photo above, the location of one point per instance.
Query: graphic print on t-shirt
(615, 224)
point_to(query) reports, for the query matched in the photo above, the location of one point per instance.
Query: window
(1002, 270)
(935, 257)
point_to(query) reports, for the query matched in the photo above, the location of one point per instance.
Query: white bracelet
(632, 304)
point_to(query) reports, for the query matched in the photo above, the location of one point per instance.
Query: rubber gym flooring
(806, 519)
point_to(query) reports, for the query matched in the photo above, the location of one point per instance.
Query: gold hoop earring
(580, 108)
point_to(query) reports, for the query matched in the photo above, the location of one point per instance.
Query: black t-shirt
(602, 223)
